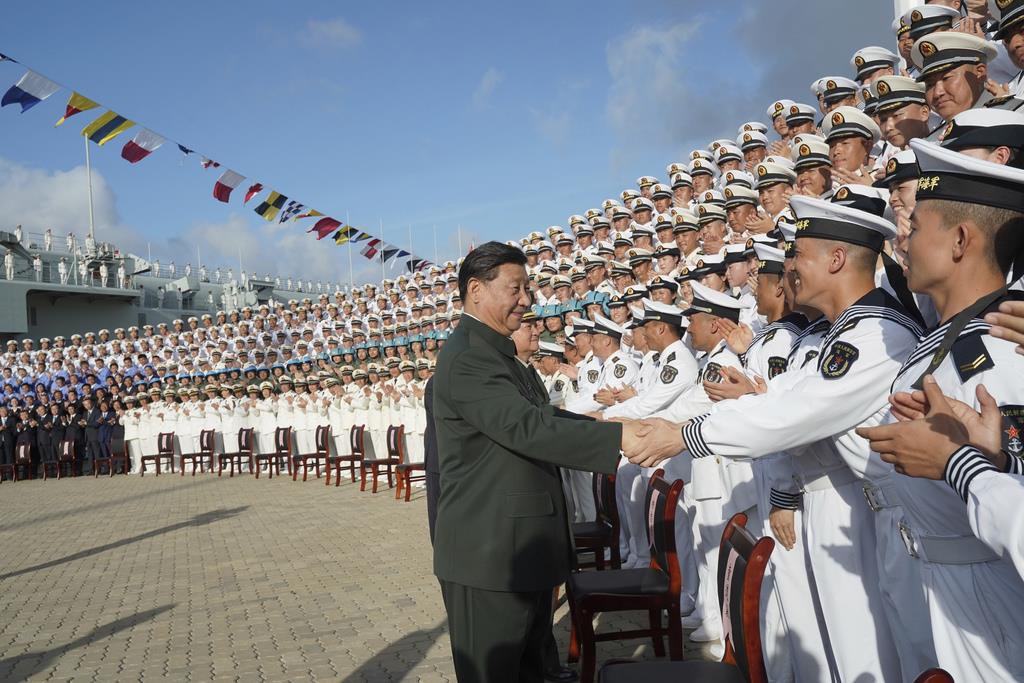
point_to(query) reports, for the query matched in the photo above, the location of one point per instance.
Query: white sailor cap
(582, 326)
(702, 154)
(780, 108)
(849, 122)
(1010, 13)
(703, 166)
(638, 256)
(826, 220)
(900, 167)
(665, 313)
(707, 300)
(895, 92)
(866, 198)
(751, 126)
(770, 260)
(737, 195)
(642, 203)
(868, 60)
(676, 167)
(737, 177)
(662, 221)
(810, 151)
(984, 128)
(837, 88)
(710, 212)
(770, 173)
(711, 196)
(684, 221)
(736, 252)
(799, 113)
(628, 195)
(751, 139)
(925, 19)
(716, 143)
(603, 325)
(619, 211)
(950, 175)
(681, 179)
(661, 191)
(645, 181)
(576, 219)
(728, 152)
(946, 50)
(552, 350)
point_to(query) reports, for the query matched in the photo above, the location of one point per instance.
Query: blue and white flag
(29, 91)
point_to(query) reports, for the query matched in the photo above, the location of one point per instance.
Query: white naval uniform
(131, 422)
(302, 421)
(337, 417)
(974, 597)
(664, 378)
(844, 388)
(265, 424)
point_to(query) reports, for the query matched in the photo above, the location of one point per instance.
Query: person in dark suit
(44, 426)
(8, 435)
(74, 430)
(91, 420)
(57, 428)
(502, 538)
(25, 433)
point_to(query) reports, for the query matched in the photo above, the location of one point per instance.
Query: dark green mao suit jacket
(501, 521)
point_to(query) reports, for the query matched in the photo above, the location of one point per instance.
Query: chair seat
(691, 671)
(591, 530)
(412, 466)
(620, 582)
(381, 461)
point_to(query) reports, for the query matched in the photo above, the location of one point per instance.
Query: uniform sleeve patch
(1013, 429)
(669, 374)
(559, 385)
(776, 366)
(713, 373)
(620, 371)
(839, 360)
(592, 376)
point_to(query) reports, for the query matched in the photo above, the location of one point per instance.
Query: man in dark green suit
(502, 541)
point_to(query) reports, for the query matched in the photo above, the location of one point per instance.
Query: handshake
(649, 441)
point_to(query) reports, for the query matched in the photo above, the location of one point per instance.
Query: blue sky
(501, 118)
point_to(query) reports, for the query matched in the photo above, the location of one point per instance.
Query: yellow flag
(106, 128)
(76, 105)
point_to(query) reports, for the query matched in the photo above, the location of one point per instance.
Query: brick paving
(196, 579)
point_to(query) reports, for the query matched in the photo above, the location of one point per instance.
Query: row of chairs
(67, 461)
(400, 473)
(742, 561)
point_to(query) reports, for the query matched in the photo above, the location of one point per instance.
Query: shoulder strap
(956, 326)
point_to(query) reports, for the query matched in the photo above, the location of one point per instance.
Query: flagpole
(411, 257)
(88, 175)
(351, 274)
(199, 260)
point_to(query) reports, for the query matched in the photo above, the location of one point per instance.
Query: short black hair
(483, 262)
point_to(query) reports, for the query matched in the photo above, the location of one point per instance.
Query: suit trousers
(496, 636)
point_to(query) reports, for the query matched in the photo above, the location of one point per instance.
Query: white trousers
(134, 447)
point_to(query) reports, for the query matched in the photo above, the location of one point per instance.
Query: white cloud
(488, 82)
(332, 33)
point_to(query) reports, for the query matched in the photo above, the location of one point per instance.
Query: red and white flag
(228, 181)
(371, 248)
(253, 190)
(207, 163)
(141, 146)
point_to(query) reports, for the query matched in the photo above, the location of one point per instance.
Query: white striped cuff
(694, 440)
(963, 466)
(785, 499)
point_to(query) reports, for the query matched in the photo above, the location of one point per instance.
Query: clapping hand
(733, 385)
(1008, 323)
(738, 336)
(850, 178)
(605, 397)
(760, 225)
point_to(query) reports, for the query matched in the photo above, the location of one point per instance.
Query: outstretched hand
(655, 440)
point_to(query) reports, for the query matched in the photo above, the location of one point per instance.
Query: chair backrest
(207, 441)
(662, 503)
(117, 446)
(67, 449)
(355, 440)
(742, 559)
(323, 439)
(245, 440)
(23, 452)
(396, 442)
(604, 501)
(165, 443)
(283, 441)
(934, 676)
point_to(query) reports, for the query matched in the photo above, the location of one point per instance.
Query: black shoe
(561, 674)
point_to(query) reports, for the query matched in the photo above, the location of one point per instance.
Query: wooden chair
(107, 460)
(602, 533)
(118, 454)
(245, 446)
(654, 589)
(205, 454)
(282, 451)
(357, 453)
(51, 465)
(23, 458)
(66, 457)
(321, 454)
(741, 563)
(378, 466)
(934, 676)
(164, 451)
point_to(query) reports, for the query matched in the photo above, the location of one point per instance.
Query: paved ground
(130, 578)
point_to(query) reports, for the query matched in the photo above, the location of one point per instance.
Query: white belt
(945, 549)
(881, 496)
(826, 480)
